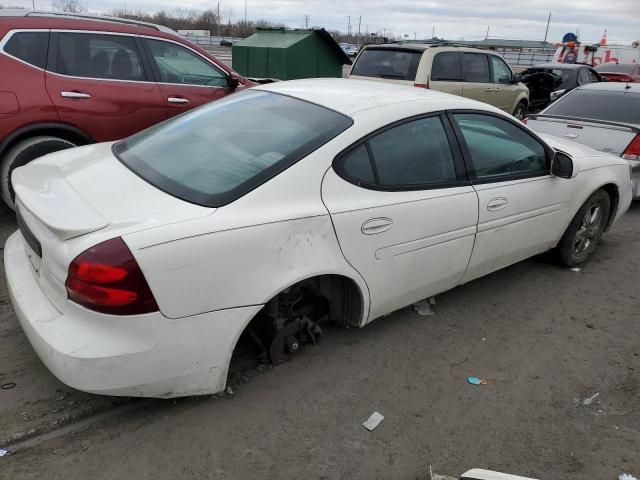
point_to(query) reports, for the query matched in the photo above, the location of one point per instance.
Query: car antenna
(628, 86)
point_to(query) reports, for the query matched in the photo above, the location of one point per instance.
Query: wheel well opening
(294, 317)
(614, 198)
(76, 137)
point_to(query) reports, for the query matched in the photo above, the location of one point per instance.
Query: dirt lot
(544, 337)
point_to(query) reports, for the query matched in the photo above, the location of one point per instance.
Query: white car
(604, 116)
(138, 264)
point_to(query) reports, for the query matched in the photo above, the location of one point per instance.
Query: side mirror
(562, 165)
(234, 81)
(517, 78)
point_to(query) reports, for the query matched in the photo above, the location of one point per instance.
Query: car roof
(612, 87)
(421, 47)
(62, 19)
(561, 66)
(349, 96)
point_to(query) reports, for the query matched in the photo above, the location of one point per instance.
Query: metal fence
(527, 58)
(209, 41)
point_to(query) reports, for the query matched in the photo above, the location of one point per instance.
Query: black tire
(521, 110)
(22, 153)
(582, 236)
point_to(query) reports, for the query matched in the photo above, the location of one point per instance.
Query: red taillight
(632, 152)
(107, 279)
(421, 85)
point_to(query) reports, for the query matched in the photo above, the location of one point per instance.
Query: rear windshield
(617, 67)
(387, 63)
(620, 106)
(217, 153)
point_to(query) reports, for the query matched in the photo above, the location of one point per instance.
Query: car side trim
(414, 245)
(502, 222)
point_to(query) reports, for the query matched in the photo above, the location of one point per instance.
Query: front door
(522, 208)
(505, 92)
(185, 78)
(404, 213)
(98, 83)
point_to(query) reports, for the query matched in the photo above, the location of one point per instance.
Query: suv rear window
(30, 47)
(217, 153)
(599, 105)
(447, 67)
(388, 63)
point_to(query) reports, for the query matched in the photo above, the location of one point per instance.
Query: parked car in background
(71, 79)
(467, 72)
(125, 271)
(226, 43)
(550, 81)
(604, 116)
(620, 72)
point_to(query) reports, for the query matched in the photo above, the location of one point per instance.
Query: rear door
(404, 212)
(186, 79)
(522, 208)
(477, 83)
(98, 82)
(446, 73)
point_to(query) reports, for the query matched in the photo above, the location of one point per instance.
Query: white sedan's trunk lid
(68, 194)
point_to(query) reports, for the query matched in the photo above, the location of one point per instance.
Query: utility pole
(433, 32)
(306, 21)
(486, 37)
(219, 19)
(349, 27)
(547, 31)
(245, 17)
(359, 25)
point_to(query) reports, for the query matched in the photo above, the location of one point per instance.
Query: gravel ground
(545, 338)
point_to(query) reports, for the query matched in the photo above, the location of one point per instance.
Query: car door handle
(78, 95)
(376, 225)
(177, 100)
(497, 204)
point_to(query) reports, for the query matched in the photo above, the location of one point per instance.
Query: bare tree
(70, 6)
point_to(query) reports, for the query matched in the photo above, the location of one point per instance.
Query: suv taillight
(107, 279)
(632, 152)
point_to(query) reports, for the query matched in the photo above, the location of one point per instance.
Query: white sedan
(138, 264)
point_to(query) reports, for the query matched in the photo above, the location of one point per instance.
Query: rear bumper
(142, 355)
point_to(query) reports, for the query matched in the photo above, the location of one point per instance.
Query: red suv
(72, 79)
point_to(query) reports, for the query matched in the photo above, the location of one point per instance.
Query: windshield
(617, 67)
(387, 63)
(559, 75)
(610, 106)
(217, 153)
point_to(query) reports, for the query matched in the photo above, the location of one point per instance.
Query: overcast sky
(453, 19)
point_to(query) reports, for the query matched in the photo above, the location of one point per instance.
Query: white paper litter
(589, 401)
(423, 308)
(373, 421)
(3, 452)
(575, 269)
(626, 476)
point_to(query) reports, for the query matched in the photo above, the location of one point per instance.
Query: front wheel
(521, 111)
(581, 237)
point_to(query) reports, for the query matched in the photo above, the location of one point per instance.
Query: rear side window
(91, 55)
(476, 68)
(500, 149)
(388, 63)
(447, 66)
(214, 154)
(593, 76)
(410, 155)
(599, 105)
(30, 47)
(583, 75)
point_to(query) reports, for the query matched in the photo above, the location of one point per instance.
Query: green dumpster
(289, 54)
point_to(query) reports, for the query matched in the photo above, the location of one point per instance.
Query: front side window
(501, 72)
(447, 67)
(388, 63)
(178, 64)
(216, 153)
(91, 55)
(411, 155)
(593, 76)
(30, 47)
(476, 68)
(500, 149)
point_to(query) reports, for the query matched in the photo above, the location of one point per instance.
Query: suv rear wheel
(22, 153)
(521, 110)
